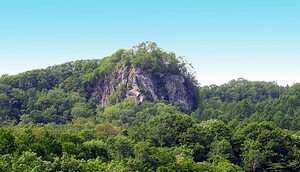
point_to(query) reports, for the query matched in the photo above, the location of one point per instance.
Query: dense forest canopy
(51, 121)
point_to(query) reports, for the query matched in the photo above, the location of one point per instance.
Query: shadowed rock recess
(142, 85)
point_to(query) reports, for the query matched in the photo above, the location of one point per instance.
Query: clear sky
(258, 40)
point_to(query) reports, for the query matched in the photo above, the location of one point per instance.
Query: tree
(81, 110)
(169, 129)
(72, 143)
(45, 102)
(4, 107)
(183, 153)
(6, 141)
(29, 161)
(50, 147)
(98, 165)
(254, 160)
(222, 149)
(188, 166)
(219, 130)
(120, 147)
(161, 157)
(219, 164)
(68, 163)
(96, 149)
(26, 142)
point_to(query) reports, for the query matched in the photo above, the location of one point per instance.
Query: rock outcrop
(142, 85)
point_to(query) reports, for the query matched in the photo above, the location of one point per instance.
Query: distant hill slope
(145, 72)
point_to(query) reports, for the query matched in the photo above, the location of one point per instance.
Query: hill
(142, 110)
(144, 72)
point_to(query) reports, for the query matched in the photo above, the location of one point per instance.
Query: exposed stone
(178, 92)
(134, 82)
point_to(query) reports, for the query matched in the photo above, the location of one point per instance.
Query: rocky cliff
(143, 85)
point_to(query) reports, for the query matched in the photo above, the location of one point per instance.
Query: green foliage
(222, 149)
(49, 147)
(167, 130)
(274, 103)
(240, 89)
(122, 114)
(62, 92)
(68, 163)
(27, 162)
(119, 147)
(6, 141)
(183, 153)
(96, 149)
(26, 142)
(219, 164)
(161, 157)
(81, 110)
(209, 146)
(189, 166)
(51, 120)
(97, 165)
(87, 135)
(254, 160)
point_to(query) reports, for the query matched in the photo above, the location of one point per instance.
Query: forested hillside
(53, 119)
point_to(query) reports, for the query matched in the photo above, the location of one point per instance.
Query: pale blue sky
(224, 39)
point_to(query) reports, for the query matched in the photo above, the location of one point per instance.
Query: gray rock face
(141, 85)
(178, 92)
